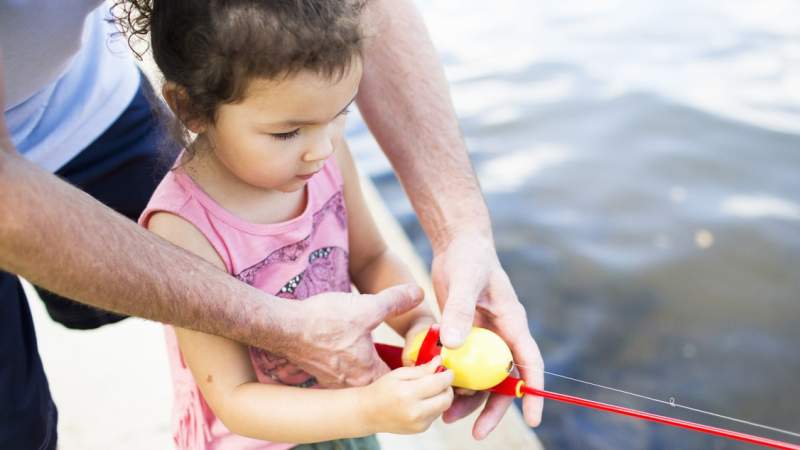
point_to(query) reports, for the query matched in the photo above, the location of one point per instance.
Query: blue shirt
(70, 97)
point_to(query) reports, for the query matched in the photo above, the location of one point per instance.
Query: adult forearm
(63, 240)
(406, 104)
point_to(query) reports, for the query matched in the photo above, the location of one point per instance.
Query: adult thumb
(458, 315)
(394, 301)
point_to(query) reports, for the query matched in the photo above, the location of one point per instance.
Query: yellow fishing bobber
(481, 363)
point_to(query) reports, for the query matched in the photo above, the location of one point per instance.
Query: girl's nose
(320, 151)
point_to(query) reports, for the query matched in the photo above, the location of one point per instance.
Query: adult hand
(334, 341)
(473, 289)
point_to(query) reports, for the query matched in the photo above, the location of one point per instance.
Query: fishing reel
(483, 362)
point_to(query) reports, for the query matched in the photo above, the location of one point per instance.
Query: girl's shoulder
(179, 231)
(175, 213)
(169, 196)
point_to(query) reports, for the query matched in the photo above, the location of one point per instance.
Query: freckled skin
(209, 379)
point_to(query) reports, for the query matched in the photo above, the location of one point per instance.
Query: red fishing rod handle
(430, 348)
(392, 355)
(511, 386)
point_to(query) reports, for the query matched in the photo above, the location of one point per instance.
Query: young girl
(268, 192)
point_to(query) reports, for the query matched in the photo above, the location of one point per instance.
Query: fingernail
(451, 335)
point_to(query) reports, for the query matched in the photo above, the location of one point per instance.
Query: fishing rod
(484, 363)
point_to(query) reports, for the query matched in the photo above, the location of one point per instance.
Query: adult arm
(406, 104)
(373, 267)
(65, 241)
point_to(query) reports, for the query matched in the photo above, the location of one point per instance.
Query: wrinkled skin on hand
(473, 289)
(341, 352)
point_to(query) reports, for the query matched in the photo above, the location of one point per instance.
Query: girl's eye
(285, 136)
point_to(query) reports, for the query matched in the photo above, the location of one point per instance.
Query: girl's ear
(176, 98)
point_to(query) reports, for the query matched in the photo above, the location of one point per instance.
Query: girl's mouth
(306, 177)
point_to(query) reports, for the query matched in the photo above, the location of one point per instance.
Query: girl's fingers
(414, 372)
(437, 404)
(465, 392)
(434, 384)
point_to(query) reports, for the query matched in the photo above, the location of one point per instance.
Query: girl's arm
(223, 371)
(273, 412)
(406, 400)
(373, 267)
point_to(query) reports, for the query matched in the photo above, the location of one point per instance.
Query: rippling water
(641, 161)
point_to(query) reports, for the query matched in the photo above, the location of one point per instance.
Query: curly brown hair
(211, 49)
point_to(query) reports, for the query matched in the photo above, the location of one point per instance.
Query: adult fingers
(495, 408)
(459, 309)
(513, 328)
(463, 406)
(393, 301)
(531, 368)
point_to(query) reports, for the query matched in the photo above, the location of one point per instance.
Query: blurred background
(641, 161)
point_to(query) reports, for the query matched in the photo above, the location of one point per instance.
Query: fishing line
(671, 402)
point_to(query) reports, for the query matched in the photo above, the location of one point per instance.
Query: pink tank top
(294, 259)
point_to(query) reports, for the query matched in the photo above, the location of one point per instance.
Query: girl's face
(282, 132)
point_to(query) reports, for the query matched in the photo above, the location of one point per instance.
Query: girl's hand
(407, 400)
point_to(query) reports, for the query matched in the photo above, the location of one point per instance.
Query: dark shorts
(121, 169)
(362, 443)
